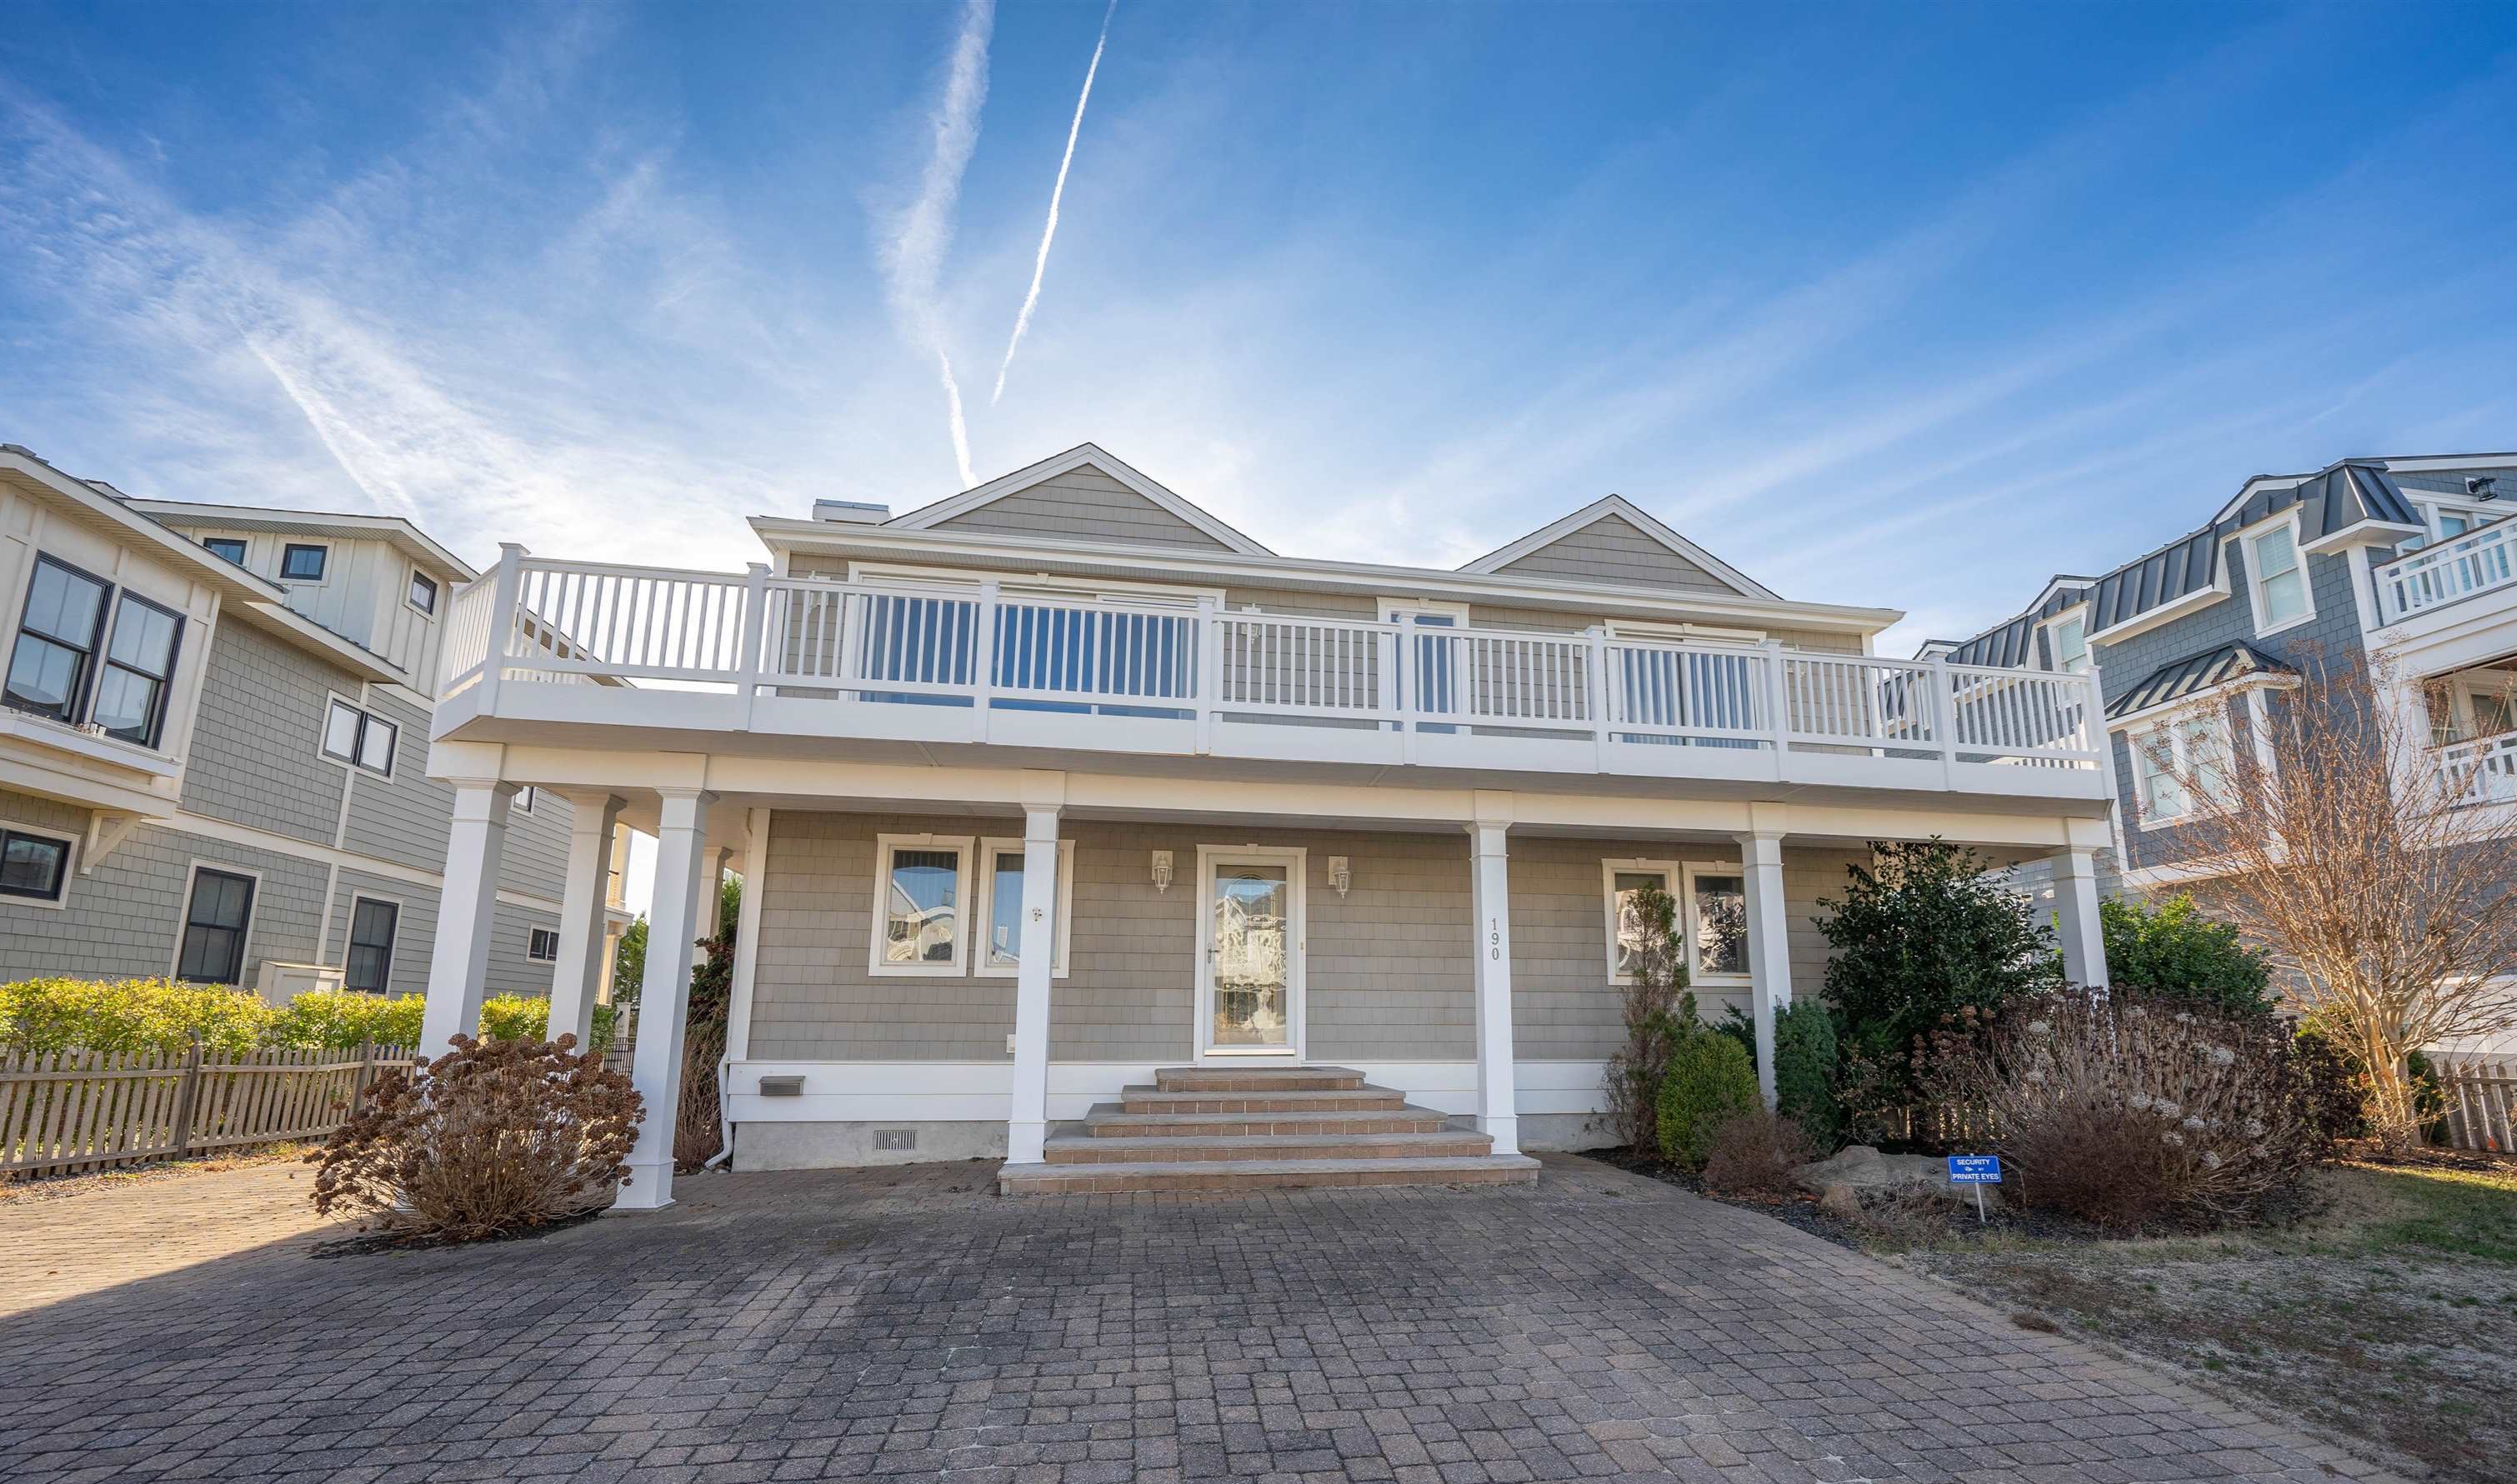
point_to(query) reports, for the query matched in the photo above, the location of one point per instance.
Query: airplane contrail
(913, 260)
(1048, 233)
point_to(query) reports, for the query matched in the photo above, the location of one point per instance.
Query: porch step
(1110, 1120)
(1362, 1099)
(1085, 1149)
(1227, 1175)
(1265, 1078)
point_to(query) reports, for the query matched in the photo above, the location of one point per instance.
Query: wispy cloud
(1056, 193)
(912, 253)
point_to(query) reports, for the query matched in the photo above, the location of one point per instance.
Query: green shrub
(1805, 1070)
(1710, 1083)
(116, 1015)
(514, 1017)
(607, 1021)
(2177, 953)
(343, 1019)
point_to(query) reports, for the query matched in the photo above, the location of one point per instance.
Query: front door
(1250, 978)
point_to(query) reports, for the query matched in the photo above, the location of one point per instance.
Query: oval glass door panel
(1253, 924)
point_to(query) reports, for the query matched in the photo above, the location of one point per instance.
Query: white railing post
(2093, 713)
(506, 591)
(1778, 704)
(1410, 716)
(1210, 671)
(752, 637)
(1943, 712)
(852, 621)
(1599, 693)
(983, 658)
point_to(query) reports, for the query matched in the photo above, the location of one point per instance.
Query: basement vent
(781, 1087)
(895, 1138)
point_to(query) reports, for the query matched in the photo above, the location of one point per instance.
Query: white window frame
(1030, 586)
(1690, 923)
(1690, 633)
(348, 938)
(2178, 727)
(522, 801)
(879, 914)
(984, 963)
(183, 916)
(70, 865)
(1392, 610)
(280, 566)
(1672, 875)
(436, 590)
(2052, 628)
(531, 933)
(2249, 541)
(358, 742)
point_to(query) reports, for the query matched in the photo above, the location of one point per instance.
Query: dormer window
(302, 563)
(2070, 639)
(2281, 580)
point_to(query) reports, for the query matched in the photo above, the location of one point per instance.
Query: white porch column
(2075, 905)
(459, 964)
(582, 924)
(1769, 947)
(1027, 1123)
(664, 996)
(713, 893)
(1490, 871)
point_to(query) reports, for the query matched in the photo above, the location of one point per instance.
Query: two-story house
(2408, 558)
(214, 743)
(1080, 828)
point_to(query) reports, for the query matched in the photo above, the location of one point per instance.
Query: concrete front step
(1108, 1120)
(1278, 1077)
(1082, 1149)
(1227, 1175)
(1361, 1099)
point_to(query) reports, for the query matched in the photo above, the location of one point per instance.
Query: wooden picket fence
(2481, 1106)
(66, 1111)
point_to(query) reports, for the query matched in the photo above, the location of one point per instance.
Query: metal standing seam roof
(2013, 645)
(2194, 674)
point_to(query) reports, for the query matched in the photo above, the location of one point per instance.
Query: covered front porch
(950, 963)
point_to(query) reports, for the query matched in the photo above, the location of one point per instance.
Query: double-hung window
(216, 917)
(2280, 580)
(2070, 639)
(139, 670)
(2180, 764)
(1000, 906)
(358, 738)
(55, 657)
(370, 966)
(920, 885)
(33, 868)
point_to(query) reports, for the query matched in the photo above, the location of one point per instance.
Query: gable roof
(928, 517)
(1618, 507)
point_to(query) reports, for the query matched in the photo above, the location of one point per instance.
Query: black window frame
(357, 754)
(212, 544)
(535, 935)
(241, 933)
(154, 727)
(83, 680)
(288, 554)
(381, 953)
(419, 581)
(11, 834)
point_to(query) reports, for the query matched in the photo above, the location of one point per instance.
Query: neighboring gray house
(2411, 557)
(214, 748)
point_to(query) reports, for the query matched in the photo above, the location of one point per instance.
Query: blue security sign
(1975, 1169)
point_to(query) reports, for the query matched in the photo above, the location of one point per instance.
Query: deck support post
(673, 924)
(584, 928)
(2075, 908)
(458, 965)
(1027, 1121)
(1490, 868)
(1770, 955)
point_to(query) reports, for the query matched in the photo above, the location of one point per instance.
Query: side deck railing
(2482, 771)
(982, 645)
(2479, 561)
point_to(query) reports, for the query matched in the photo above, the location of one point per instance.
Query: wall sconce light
(1341, 876)
(1162, 871)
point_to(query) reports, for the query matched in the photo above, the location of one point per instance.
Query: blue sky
(1884, 304)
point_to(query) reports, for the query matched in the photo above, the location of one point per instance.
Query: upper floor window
(2281, 580)
(302, 563)
(423, 592)
(139, 668)
(2179, 763)
(2070, 637)
(352, 735)
(66, 666)
(229, 547)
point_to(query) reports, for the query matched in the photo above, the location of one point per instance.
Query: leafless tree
(2378, 878)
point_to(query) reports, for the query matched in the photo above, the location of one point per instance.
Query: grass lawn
(2389, 1315)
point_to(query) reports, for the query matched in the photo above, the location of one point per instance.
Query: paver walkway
(52, 1249)
(909, 1324)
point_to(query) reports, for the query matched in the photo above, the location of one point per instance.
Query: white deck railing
(531, 619)
(2483, 771)
(2479, 561)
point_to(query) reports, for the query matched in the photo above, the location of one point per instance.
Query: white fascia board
(2166, 613)
(393, 529)
(925, 517)
(2431, 463)
(1642, 519)
(102, 510)
(1029, 553)
(2190, 701)
(2368, 532)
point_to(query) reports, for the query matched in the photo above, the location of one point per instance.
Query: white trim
(1020, 586)
(1618, 505)
(2179, 724)
(2160, 614)
(926, 517)
(879, 920)
(2361, 535)
(1296, 858)
(436, 587)
(230, 833)
(1390, 608)
(2249, 540)
(358, 742)
(184, 917)
(983, 959)
(280, 568)
(1692, 927)
(1671, 873)
(350, 930)
(534, 930)
(2052, 627)
(2221, 691)
(1701, 633)
(70, 841)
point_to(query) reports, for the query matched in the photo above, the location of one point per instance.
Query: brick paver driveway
(909, 1324)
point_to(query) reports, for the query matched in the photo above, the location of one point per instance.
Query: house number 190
(1494, 939)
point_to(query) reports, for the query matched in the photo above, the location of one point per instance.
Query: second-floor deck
(754, 661)
(2481, 560)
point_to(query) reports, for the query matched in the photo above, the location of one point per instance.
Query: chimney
(851, 512)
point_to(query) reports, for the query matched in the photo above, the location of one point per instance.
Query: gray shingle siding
(511, 973)
(254, 753)
(535, 862)
(1082, 504)
(402, 819)
(1612, 549)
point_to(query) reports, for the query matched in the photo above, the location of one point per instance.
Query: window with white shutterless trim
(1622, 884)
(360, 737)
(1714, 915)
(2176, 757)
(2068, 635)
(920, 898)
(1000, 914)
(2278, 574)
(422, 595)
(541, 945)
